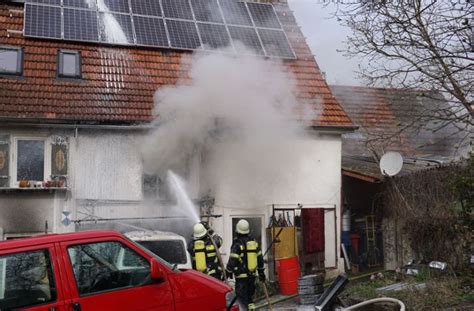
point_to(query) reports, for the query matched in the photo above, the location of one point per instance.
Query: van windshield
(173, 251)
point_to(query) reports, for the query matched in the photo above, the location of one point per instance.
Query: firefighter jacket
(204, 255)
(245, 258)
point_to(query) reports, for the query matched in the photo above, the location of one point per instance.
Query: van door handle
(76, 306)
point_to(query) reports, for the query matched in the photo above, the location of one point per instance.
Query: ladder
(370, 232)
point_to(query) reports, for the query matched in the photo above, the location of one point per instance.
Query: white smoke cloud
(231, 98)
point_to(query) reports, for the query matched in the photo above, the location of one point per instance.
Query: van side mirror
(156, 273)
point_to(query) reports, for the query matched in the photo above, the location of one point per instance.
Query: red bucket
(288, 270)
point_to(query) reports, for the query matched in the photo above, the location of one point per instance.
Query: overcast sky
(325, 36)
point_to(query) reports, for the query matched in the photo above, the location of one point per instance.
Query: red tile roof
(118, 83)
(402, 120)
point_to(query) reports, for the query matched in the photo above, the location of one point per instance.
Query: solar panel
(264, 15)
(183, 24)
(177, 9)
(275, 43)
(183, 34)
(246, 36)
(115, 28)
(88, 30)
(150, 31)
(213, 35)
(235, 12)
(207, 11)
(42, 21)
(49, 2)
(113, 6)
(86, 4)
(146, 7)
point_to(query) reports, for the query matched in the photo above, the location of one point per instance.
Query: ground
(442, 292)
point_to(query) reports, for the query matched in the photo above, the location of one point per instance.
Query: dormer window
(69, 64)
(11, 60)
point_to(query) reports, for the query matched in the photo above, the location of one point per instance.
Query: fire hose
(219, 257)
(371, 301)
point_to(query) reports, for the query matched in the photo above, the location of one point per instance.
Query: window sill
(32, 190)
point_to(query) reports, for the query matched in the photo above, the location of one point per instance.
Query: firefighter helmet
(199, 231)
(243, 227)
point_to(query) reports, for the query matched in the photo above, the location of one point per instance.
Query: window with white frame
(33, 161)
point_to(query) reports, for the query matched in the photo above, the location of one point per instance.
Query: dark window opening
(30, 163)
(69, 64)
(11, 60)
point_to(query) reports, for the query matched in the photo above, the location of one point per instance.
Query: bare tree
(416, 44)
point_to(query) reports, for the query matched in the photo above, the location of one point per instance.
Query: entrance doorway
(256, 227)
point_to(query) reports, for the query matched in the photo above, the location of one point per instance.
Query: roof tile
(118, 83)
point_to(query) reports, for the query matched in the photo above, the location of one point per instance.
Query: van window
(99, 267)
(26, 279)
(173, 251)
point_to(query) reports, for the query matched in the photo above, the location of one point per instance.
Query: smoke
(226, 98)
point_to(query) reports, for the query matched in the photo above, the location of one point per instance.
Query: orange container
(288, 270)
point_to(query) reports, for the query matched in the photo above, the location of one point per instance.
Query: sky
(325, 36)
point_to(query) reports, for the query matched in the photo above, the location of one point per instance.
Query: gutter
(63, 125)
(359, 175)
(337, 128)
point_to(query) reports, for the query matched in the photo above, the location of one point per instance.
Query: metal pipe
(78, 221)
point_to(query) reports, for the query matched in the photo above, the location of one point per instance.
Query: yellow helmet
(199, 231)
(243, 227)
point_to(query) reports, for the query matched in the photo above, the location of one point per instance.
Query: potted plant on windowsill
(55, 183)
(24, 183)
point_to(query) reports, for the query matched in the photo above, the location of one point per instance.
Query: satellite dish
(391, 163)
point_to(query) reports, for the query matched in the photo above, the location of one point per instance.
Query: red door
(30, 279)
(113, 274)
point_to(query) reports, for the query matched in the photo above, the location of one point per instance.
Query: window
(101, 267)
(11, 60)
(69, 64)
(30, 160)
(26, 279)
(173, 251)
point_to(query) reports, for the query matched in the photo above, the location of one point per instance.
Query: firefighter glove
(261, 276)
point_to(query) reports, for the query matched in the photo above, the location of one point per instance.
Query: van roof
(152, 235)
(55, 237)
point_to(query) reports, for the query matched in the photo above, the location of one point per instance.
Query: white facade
(105, 171)
(309, 175)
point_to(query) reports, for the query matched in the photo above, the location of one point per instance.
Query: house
(76, 102)
(411, 122)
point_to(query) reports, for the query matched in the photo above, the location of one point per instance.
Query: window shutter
(59, 158)
(4, 161)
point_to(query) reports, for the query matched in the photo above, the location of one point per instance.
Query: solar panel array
(180, 24)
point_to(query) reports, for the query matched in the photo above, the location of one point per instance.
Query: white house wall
(311, 176)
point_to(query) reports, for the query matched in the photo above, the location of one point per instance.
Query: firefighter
(204, 253)
(245, 262)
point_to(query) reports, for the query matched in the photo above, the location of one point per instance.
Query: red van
(100, 270)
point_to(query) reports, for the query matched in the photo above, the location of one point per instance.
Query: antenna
(391, 163)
